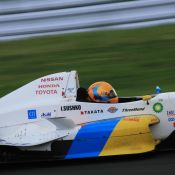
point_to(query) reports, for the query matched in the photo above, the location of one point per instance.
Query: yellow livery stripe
(130, 136)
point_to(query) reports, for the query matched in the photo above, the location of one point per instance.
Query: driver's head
(102, 92)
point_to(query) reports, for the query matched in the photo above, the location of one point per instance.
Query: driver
(102, 92)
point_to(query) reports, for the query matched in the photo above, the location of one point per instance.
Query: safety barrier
(49, 17)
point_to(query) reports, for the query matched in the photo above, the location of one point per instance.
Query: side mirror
(146, 97)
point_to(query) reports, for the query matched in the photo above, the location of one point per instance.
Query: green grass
(133, 61)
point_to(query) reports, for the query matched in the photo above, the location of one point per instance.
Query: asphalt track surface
(155, 163)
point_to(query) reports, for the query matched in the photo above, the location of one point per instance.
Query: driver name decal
(71, 108)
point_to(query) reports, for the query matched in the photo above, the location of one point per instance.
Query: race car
(48, 119)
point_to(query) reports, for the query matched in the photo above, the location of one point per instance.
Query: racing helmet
(102, 92)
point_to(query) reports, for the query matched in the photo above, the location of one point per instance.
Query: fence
(49, 17)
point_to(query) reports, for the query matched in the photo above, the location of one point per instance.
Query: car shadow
(78, 162)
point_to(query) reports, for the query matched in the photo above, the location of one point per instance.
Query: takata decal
(158, 107)
(32, 114)
(96, 111)
(133, 109)
(46, 114)
(112, 109)
(71, 108)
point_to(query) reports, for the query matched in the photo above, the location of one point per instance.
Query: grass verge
(133, 61)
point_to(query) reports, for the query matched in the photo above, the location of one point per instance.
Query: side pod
(132, 135)
(119, 136)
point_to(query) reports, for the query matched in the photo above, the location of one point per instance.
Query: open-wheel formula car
(48, 118)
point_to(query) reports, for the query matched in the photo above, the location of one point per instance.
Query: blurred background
(128, 43)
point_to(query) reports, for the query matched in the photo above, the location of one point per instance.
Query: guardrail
(49, 17)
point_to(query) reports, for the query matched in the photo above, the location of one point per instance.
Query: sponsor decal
(160, 99)
(50, 79)
(62, 93)
(171, 113)
(32, 114)
(112, 109)
(132, 119)
(44, 86)
(71, 108)
(96, 111)
(46, 92)
(47, 89)
(171, 119)
(70, 90)
(158, 107)
(133, 109)
(46, 115)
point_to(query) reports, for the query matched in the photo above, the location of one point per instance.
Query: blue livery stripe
(91, 139)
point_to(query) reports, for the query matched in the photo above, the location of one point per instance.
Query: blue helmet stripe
(95, 92)
(104, 98)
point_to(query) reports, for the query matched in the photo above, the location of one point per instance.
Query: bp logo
(158, 107)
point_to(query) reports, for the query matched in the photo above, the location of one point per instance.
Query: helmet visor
(112, 94)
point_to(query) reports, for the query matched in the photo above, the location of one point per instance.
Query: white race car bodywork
(45, 110)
